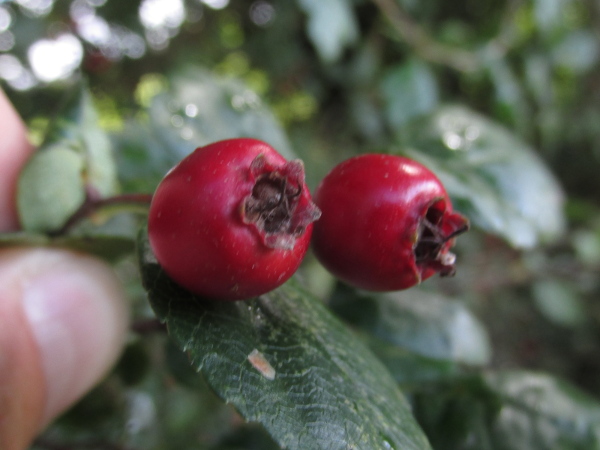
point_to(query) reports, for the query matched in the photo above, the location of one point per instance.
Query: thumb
(63, 322)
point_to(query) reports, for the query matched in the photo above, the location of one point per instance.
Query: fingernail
(78, 319)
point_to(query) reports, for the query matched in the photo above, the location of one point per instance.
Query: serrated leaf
(331, 26)
(494, 178)
(284, 361)
(424, 323)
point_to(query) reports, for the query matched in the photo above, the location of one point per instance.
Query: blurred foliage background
(500, 98)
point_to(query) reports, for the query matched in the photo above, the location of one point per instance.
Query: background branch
(429, 49)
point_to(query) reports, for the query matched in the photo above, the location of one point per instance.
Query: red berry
(232, 220)
(387, 223)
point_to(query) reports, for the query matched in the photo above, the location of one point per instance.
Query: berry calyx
(435, 235)
(276, 206)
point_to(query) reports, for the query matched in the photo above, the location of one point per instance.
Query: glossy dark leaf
(284, 361)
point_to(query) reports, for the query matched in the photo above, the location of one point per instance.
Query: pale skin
(63, 316)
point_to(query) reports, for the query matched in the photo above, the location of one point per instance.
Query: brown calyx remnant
(436, 229)
(278, 206)
(272, 203)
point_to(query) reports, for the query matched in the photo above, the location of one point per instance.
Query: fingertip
(20, 412)
(15, 150)
(79, 320)
(73, 309)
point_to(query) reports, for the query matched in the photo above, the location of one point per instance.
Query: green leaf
(422, 322)
(543, 412)
(549, 13)
(457, 414)
(409, 90)
(538, 76)
(586, 244)
(510, 103)
(494, 178)
(50, 189)
(143, 157)
(75, 158)
(284, 361)
(579, 51)
(199, 108)
(409, 369)
(77, 127)
(559, 302)
(508, 410)
(331, 26)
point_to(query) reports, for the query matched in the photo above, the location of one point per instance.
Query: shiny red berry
(387, 223)
(232, 220)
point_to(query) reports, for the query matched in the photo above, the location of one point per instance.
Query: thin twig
(92, 205)
(415, 36)
(506, 37)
